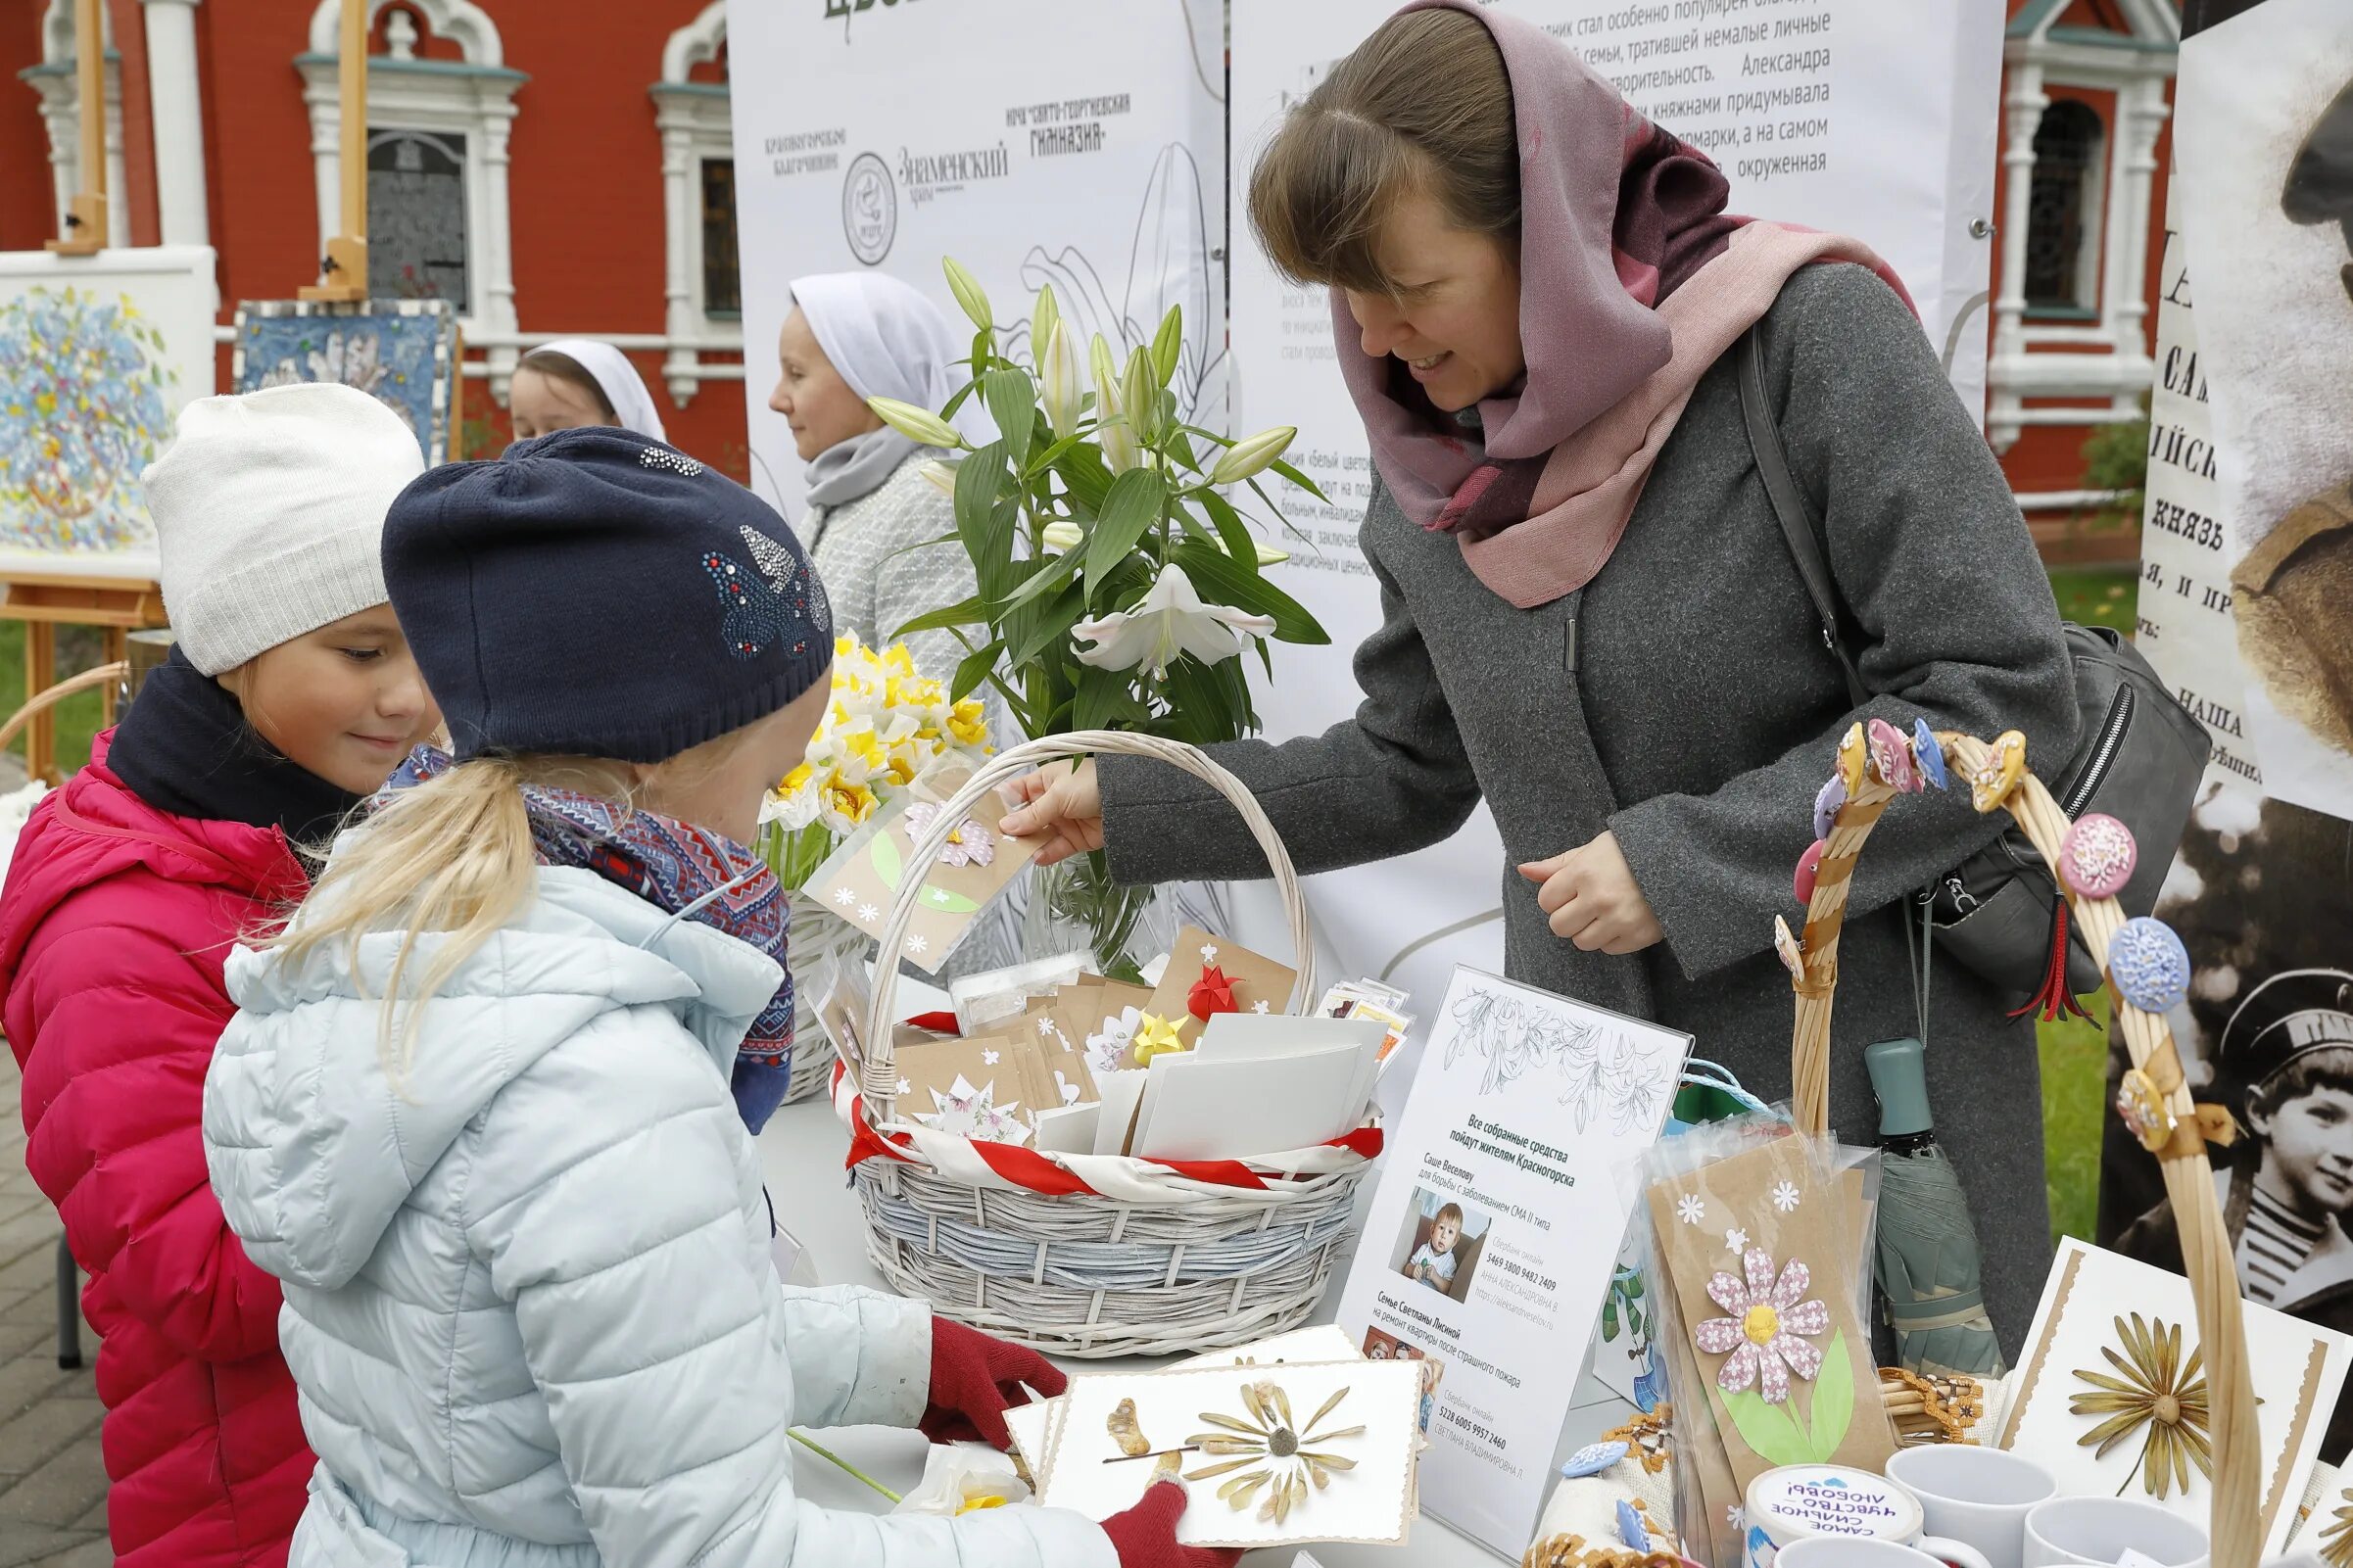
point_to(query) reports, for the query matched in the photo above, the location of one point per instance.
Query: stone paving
(52, 1483)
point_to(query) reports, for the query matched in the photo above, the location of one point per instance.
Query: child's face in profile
(1443, 1236)
(2310, 1149)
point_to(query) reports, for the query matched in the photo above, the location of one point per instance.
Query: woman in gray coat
(1592, 619)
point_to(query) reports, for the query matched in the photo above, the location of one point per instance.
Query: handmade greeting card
(1061, 1058)
(1762, 1252)
(981, 1088)
(863, 877)
(1105, 1021)
(1207, 975)
(2111, 1396)
(1273, 1456)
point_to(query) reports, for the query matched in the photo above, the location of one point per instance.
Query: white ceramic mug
(1857, 1552)
(1978, 1495)
(1800, 1503)
(2068, 1532)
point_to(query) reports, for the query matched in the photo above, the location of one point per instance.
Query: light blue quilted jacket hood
(529, 1300)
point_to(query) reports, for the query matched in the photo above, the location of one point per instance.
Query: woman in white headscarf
(852, 336)
(579, 381)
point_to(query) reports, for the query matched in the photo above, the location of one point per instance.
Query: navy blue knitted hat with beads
(597, 594)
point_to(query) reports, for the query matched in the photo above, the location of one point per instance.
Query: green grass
(2098, 596)
(2075, 1093)
(77, 715)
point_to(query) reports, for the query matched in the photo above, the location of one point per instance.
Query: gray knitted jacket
(1684, 701)
(876, 581)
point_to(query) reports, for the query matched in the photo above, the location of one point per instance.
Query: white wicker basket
(1080, 1274)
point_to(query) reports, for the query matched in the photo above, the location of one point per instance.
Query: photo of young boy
(1434, 1261)
(1440, 1244)
(2283, 1199)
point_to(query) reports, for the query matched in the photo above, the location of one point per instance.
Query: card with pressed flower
(860, 880)
(1273, 1455)
(987, 1087)
(1762, 1254)
(2112, 1395)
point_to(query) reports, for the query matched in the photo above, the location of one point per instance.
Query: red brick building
(555, 179)
(564, 179)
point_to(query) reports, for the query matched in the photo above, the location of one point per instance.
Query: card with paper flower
(1273, 1456)
(1207, 975)
(988, 1088)
(1762, 1256)
(861, 878)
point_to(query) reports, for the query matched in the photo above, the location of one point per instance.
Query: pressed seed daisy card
(1272, 1455)
(2112, 1395)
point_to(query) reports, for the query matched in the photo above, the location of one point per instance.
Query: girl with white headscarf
(851, 336)
(579, 381)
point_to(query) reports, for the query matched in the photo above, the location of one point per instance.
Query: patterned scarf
(683, 870)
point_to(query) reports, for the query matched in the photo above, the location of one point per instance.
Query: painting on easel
(97, 356)
(399, 352)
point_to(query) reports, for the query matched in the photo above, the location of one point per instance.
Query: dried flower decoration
(2336, 1542)
(2157, 1390)
(1278, 1454)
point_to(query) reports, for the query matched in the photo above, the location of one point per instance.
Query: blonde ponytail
(452, 856)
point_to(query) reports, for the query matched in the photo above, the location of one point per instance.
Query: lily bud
(1058, 386)
(1062, 536)
(1118, 439)
(1139, 395)
(1107, 374)
(1269, 556)
(967, 292)
(1245, 459)
(1168, 344)
(919, 425)
(943, 476)
(1043, 320)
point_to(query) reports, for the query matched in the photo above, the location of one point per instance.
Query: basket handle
(882, 1078)
(2236, 1535)
(44, 700)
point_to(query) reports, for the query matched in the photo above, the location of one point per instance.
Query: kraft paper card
(1207, 975)
(1061, 1058)
(983, 1088)
(2134, 1327)
(1761, 1252)
(1104, 1021)
(1273, 1455)
(863, 877)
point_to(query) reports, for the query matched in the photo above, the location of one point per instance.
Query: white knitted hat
(270, 513)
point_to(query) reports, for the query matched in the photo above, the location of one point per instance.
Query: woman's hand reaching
(1060, 803)
(1591, 895)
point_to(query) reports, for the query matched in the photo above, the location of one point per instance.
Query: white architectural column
(679, 207)
(177, 106)
(2141, 115)
(2022, 108)
(495, 310)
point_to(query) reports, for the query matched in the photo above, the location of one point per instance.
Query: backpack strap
(1791, 509)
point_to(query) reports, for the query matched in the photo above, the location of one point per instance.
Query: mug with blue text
(1803, 1501)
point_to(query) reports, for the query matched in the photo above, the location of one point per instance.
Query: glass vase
(1075, 906)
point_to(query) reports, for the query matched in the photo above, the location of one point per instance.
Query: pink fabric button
(1810, 867)
(2097, 856)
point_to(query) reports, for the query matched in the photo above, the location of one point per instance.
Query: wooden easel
(85, 216)
(344, 279)
(45, 599)
(44, 602)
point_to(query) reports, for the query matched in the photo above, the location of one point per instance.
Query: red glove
(1145, 1535)
(976, 1379)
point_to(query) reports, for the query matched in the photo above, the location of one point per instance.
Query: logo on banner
(869, 209)
(844, 9)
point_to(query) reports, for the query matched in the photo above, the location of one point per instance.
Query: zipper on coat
(2103, 755)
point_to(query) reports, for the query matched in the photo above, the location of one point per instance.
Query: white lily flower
(1058, 385)
(1169, 620)
(1062, 536)
(963, 1480)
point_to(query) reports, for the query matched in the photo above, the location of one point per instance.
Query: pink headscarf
(1633, 281)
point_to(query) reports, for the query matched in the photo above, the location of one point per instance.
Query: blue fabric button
(1930, 755)
(1592, 1460)
(1832, 795)
(2149, 965)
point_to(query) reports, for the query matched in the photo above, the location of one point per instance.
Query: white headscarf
(885, 339)
(632, 404)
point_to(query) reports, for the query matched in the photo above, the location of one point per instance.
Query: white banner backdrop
(1855, 116)
(1037, 142)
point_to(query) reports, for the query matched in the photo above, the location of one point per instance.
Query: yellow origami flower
(968, 723)
(1156, 1036)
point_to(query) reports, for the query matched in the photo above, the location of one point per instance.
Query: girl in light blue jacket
(475, 1108)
